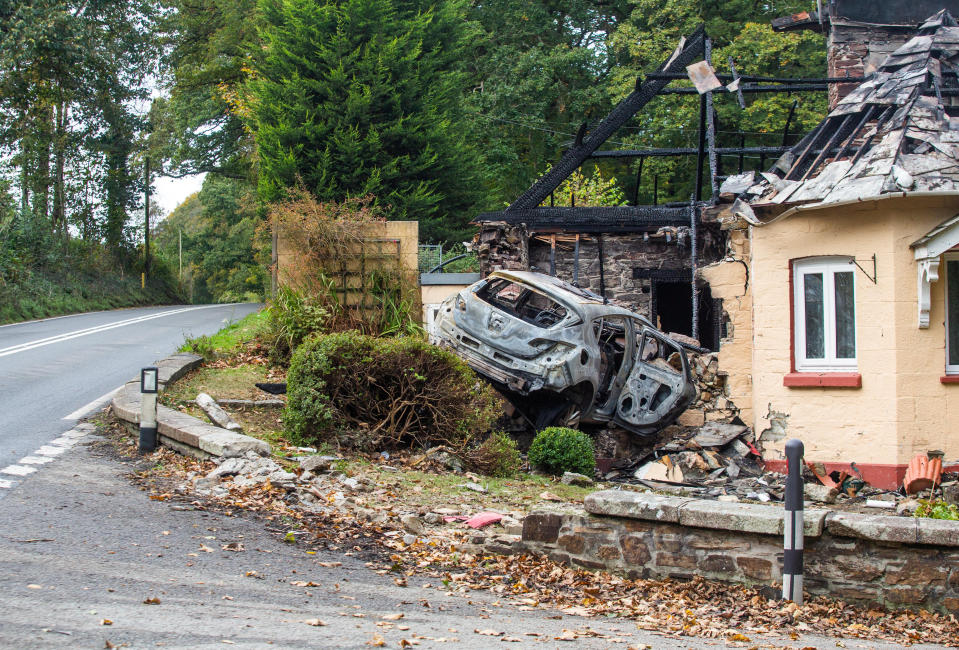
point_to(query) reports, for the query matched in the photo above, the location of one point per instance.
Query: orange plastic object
(923, 473)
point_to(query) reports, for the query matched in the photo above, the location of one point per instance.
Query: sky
(170, 192)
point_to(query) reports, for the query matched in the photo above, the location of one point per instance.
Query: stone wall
(628, 259)
(868, 559)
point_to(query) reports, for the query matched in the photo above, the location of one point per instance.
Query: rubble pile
(712, 404)
(316, 486)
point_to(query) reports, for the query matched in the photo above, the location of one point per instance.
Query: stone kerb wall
(893, 561)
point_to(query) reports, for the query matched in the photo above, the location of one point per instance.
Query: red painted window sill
(823, 380)
(949, 379)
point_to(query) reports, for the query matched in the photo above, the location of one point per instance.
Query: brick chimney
(861, 33)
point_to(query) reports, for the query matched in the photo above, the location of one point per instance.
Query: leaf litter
(669, 607)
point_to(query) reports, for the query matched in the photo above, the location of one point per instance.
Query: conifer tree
(362, 97)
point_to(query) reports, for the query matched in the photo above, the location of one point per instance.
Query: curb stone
(180, 431)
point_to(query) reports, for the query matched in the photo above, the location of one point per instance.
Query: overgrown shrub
(496, 456)
(293, 316)
(344, 266)
(558, 449)
(382, 393)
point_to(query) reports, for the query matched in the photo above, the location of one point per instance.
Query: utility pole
(146, 218)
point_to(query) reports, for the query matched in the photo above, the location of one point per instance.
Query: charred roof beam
(581, 151)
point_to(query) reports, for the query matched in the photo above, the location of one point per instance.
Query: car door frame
(638, 382)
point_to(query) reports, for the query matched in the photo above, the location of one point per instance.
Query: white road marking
(92, 406)
(43, 455)
(36, 460)
(47, 450)
(18, 470)
(50, 340)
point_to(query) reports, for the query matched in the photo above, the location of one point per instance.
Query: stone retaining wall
(893, 561)
(179, 431)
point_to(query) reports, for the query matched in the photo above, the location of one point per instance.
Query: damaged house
(823, 293)
(849, 271)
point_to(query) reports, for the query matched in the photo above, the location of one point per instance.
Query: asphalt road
(87, 559)
(51, 369)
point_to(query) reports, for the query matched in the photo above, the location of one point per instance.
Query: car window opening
(611, 335)
(522, 302)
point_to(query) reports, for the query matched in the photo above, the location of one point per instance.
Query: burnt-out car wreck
(561, 355)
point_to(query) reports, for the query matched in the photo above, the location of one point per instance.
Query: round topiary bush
(558, 449)
(384, 393)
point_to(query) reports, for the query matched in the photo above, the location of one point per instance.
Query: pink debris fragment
(448, 518)
(483, 519)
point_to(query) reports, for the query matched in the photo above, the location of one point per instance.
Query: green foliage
(293, 316)
(592, 190)
(379, 393)
(222, 258)
(558, 449)
(83, 279)
(496, 456)
(739, 29)
(199, 128)
(538, 70)
(936, 509)
(362, 98)
(70, 75)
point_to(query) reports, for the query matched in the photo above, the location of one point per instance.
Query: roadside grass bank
(32, 294)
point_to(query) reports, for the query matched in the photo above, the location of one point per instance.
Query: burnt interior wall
(856, 50)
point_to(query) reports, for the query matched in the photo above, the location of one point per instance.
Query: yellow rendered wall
(437, 293)
(902, 408)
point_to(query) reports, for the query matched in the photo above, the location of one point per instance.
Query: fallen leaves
(152, 601)
(315, 622)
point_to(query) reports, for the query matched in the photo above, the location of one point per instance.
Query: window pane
(813, 294)
(845, 316)
(952, 300)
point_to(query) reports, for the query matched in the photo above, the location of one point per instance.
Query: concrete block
(880, 528)
(939, 532)
(221, 442)
(635, 505)
(172, 368)
(745, 517)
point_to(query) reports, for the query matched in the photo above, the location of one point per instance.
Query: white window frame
(946, 258)
(828, 266)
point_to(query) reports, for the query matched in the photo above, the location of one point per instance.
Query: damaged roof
(898, 131)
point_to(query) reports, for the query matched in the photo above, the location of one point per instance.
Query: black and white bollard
(148, 410)
(793, 520)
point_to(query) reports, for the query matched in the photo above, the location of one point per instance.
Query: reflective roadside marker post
(148, 409)
(793, 528)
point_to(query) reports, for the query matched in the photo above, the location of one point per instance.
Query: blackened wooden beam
(592, 219)
(581, 151)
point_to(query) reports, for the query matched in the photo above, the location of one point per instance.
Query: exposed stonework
(631, 264)
(894, 561)
(855, 51)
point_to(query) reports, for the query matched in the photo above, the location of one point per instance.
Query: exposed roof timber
(801, 20)
(583, 148)
(588, 219)
(686, 151)
(753, 78)
(753, 88)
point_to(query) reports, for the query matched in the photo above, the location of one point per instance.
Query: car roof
(565, 292)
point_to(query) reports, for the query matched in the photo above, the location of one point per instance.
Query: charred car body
(562, 356)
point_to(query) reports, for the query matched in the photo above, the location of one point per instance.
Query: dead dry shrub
(333, 262)
(497, 456)
(385, 393)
